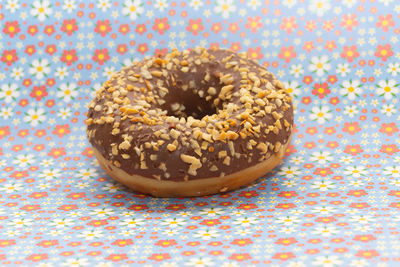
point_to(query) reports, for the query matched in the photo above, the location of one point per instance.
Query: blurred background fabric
(333, 202)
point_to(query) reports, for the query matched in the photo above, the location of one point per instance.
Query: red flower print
(195, 26)
(38, 92)
(31, 207)
(395, 193)
(312, 251)
(242, 242)
(37, 257)
(368, 254)
(175, 207)
(330, 130)
(103, 27)
(49, 30)
(323, 171)
(47, 243)
(30, 50)
(287, 194)
(159, 256)
(19, 174)
(142, 48)
(32, 30)
(101, 56)
(138, 207)
(233, 27)
(308, 46)
(4, 131)
(88, 152)
(288, 24)
(240, 256)
(349, 21)
(161, 25)
(9, 56)
(38, 195)
(51, 49)
(330, 45)
(350, 53)
(122, 49)
(214, 46)
(389, 128)
(389, 149)
(124, 29)
(248, 194)
(6, 242)
(328, 25)
(285, 206)
(255, 53)
(69, 26)
(357, 193)
(254, 24)
(326, 219)
(69, 57)
(385, 22)
(122, 242)
(11, 28)
(61, 130)
(97, 223)
(384, 51)
(283, 256)
(353, 150)
(160, 52)
(286, 241)
(249, 206)
(235, 46)
(116, 257)
(332, 79)
(311, 25)
(216, 27)
(57, 152)
(287, 54)
(321, 90)
(140, 29)
(364, 238)
(307, 80)
(166, 243)
(68, 207)
(351, 128)
(210, 222)
(359, 205)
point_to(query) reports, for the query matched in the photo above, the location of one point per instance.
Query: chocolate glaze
(187, 76)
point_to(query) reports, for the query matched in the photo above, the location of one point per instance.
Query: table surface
(333, 202)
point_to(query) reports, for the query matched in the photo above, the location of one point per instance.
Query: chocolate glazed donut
(190, 123)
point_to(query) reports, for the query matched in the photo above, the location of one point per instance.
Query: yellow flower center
(387, 89)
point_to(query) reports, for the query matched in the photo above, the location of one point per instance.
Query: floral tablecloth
(334, 202)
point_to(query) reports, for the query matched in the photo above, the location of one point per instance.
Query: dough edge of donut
(194, 188)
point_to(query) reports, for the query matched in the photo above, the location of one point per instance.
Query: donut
(190, 123)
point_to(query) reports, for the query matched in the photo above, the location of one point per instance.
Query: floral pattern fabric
(335, 201)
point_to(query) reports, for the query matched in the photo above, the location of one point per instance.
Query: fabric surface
(333, 202)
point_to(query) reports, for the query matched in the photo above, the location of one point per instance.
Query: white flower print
(293, 87)
(133, 8)
(11, 187)
(289, 172)
(351, 89)
(103, 5)
(319, 65)
(61, 72)
(91, 234)
(350, 111)
(24, 160)
(6, 113)
(200, 262)
(86, 174)
(321, 114)
(17, 73)
(355, 171)
(67, 91)
(196, 4)
(35, 116)
(319, 7)
(388, 89)
(9, 92)
(211, 212)
(173, 222)
(161, 4)
(393, 68)
(225, 8)
(76, 262)
(61, 223)
(245, 221)
(388, 109)
(69, 5)
(132, 222)
(327, 261)
(325, 230)
(343, 69)
(393, 171)
(39, 68)
(41, 9)
(12, 5)
(206, 234)
(49, 174)
(296, 70)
